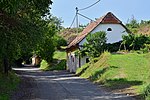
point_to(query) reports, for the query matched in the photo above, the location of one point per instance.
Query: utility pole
(77, 18)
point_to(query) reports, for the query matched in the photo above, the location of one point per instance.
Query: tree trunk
(6, 65)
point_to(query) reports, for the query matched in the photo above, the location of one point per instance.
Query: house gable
(112, 37)
(109, 18)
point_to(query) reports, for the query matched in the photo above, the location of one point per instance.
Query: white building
(108, 23)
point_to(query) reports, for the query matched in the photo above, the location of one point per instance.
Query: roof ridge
(107, 18)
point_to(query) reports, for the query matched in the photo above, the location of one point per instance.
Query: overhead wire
(85, 17)
(89, 6)
(82, 14)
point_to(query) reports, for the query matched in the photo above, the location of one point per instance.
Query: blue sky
(123, 9)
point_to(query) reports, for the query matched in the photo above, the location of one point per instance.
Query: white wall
(83, 60)
(72, 62)
(112, 36)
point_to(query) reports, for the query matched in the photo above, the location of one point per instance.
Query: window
(72, 58)
(109, 29)
(87, 60)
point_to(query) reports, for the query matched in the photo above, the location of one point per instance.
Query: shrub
(57, 66)
(60, 66)
(147, 93)
(135, 42)
(44, 65)
(146, 48)
(95, 44)
(8, 84)
(114, 47)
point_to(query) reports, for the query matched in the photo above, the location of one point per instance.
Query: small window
(109, 29)
(87, 60)
(72, 58)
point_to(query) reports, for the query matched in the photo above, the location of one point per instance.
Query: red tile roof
(108, 18)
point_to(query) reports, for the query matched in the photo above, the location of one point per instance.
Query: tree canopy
(24, 26)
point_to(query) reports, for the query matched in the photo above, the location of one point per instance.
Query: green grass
(59, 62)
(60, 55)
(119, 71)
(7, 85)
(61, 65)
(92, 67)
(44, 65)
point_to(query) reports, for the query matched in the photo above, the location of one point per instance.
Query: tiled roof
(108, 18)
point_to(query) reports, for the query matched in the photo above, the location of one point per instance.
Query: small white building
(36, 60)
(108, 23)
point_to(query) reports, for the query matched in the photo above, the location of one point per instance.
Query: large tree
(22, 28)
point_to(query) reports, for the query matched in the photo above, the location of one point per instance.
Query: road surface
(59, 85)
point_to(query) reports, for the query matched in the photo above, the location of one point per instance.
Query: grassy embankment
(129, 73)
(59, 62)
(7, 85)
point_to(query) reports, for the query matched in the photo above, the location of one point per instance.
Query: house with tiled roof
(109, 23)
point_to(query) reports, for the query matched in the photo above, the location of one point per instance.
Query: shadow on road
(59, 85)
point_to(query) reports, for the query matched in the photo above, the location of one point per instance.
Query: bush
(135, 42)
(147, 93)
(95, 44)
(8, 84)
(44, 65)
(114, 47)
(57, 66)
(60, 66)
(146, 48)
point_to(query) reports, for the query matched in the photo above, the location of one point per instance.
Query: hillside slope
(127, 73)
(144, 29)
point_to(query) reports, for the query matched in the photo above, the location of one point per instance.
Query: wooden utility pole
(77, 18)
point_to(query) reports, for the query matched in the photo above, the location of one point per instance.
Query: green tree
(95, 44)
(22, 28)
(59, 41)
(47, 47)
(135, 41)
(133, 25)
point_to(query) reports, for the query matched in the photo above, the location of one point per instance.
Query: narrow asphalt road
(61, 85)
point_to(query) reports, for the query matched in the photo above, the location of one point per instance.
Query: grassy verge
(60, 55)
(7, 85)
(44, 65)
(59, 62)
(61, 65)
(126, 72)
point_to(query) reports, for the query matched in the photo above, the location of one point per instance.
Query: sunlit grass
(119, 71)
(59, 62)
(44, 65)
(60, 55)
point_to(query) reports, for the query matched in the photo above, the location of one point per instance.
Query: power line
(85, 17)
(90, 5)
(77, 10)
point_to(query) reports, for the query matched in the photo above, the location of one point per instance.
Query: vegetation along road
(59, 85)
